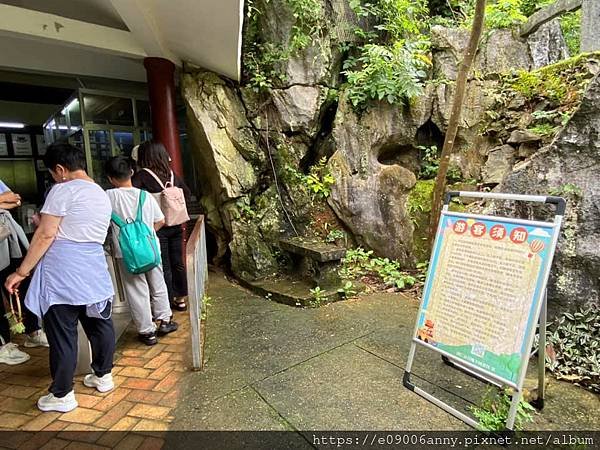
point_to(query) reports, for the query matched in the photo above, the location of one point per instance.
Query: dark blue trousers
(60, 324)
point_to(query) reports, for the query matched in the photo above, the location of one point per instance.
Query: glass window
(102, 109)
(61, 124)
(143, 113)
(145, 135)
(74, 111)
(20, 176)
(48, 134)
(123, 142)
(100, 152)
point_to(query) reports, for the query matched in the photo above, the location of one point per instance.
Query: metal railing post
(197, 274)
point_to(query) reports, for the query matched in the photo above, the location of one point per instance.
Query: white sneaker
(11, 355)
(37, 339)
(102, 384)
(51, 403)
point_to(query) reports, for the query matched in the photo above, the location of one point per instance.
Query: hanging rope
(276, 180)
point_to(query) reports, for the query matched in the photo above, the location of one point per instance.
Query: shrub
(394, 73)
(574, 342)
(359, 262)
(317, 182)
(528, 7)
(570, 24)
(504, 14)
(335, 235)
(430, 162)
(498, 13)
(493, 412)
(391, 61)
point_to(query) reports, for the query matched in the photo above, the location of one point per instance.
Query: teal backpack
(137, 242)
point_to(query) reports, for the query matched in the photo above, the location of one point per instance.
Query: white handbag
(5, 230)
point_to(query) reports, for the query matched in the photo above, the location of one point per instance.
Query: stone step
(316, 250)
(295, 291)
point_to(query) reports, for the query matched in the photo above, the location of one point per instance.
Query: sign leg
(539, 401)
(411, 356)
(512, 412)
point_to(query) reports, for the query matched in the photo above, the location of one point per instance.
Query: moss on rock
(419, 207)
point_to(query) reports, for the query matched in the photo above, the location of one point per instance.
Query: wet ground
(338, 367)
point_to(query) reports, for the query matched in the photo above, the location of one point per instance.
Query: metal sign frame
(540, 313)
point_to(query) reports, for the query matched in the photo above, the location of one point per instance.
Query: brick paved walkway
(147, 390)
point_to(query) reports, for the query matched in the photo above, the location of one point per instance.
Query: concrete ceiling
(99, 12)
(110, 38)
(27, 113)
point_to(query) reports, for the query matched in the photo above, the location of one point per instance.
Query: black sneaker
(166, 327)
(148, 338)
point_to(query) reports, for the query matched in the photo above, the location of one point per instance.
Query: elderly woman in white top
(71, 281)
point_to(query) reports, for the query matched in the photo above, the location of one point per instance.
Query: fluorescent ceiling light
(12, 125)
(66, 108)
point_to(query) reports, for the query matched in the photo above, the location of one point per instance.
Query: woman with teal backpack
(136, 218)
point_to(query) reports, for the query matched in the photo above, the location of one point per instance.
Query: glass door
(100, 151)
(123, 142)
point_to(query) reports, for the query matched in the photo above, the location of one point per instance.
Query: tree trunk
(454, 120)
(590, 26)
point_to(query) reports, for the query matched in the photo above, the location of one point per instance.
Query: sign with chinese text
(41, 144)
(482, 294)
(22, 145)
(3, 145)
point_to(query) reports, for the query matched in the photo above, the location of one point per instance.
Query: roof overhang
(117, 35)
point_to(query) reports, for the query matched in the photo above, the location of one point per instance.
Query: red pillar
(161, 90)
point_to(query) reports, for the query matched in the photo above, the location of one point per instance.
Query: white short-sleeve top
(84, 207)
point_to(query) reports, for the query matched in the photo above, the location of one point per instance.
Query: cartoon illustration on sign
(425, 333)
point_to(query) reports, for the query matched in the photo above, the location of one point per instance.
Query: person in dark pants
(153, 156)
(12, 249)
(61, 329)
(71, 281)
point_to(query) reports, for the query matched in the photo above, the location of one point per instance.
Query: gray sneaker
(11, 355)
(36, 339)
(166, 327)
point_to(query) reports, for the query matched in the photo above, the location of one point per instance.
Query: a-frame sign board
(483, 295)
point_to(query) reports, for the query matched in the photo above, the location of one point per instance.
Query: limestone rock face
(572, 158)
(252, 151)
(315, 64)
(500, 52)
(374, 166)
(449, 45)
(219, 124)
(251, 245)
(547, 45)
(470, 147)
(295, 109)
(229, 160)
(499, 164)
(527, 149)
(504, 51)
(523, 136)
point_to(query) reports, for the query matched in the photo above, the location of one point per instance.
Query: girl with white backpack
(156, 177)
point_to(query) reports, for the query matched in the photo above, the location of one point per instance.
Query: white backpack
(171, 201)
